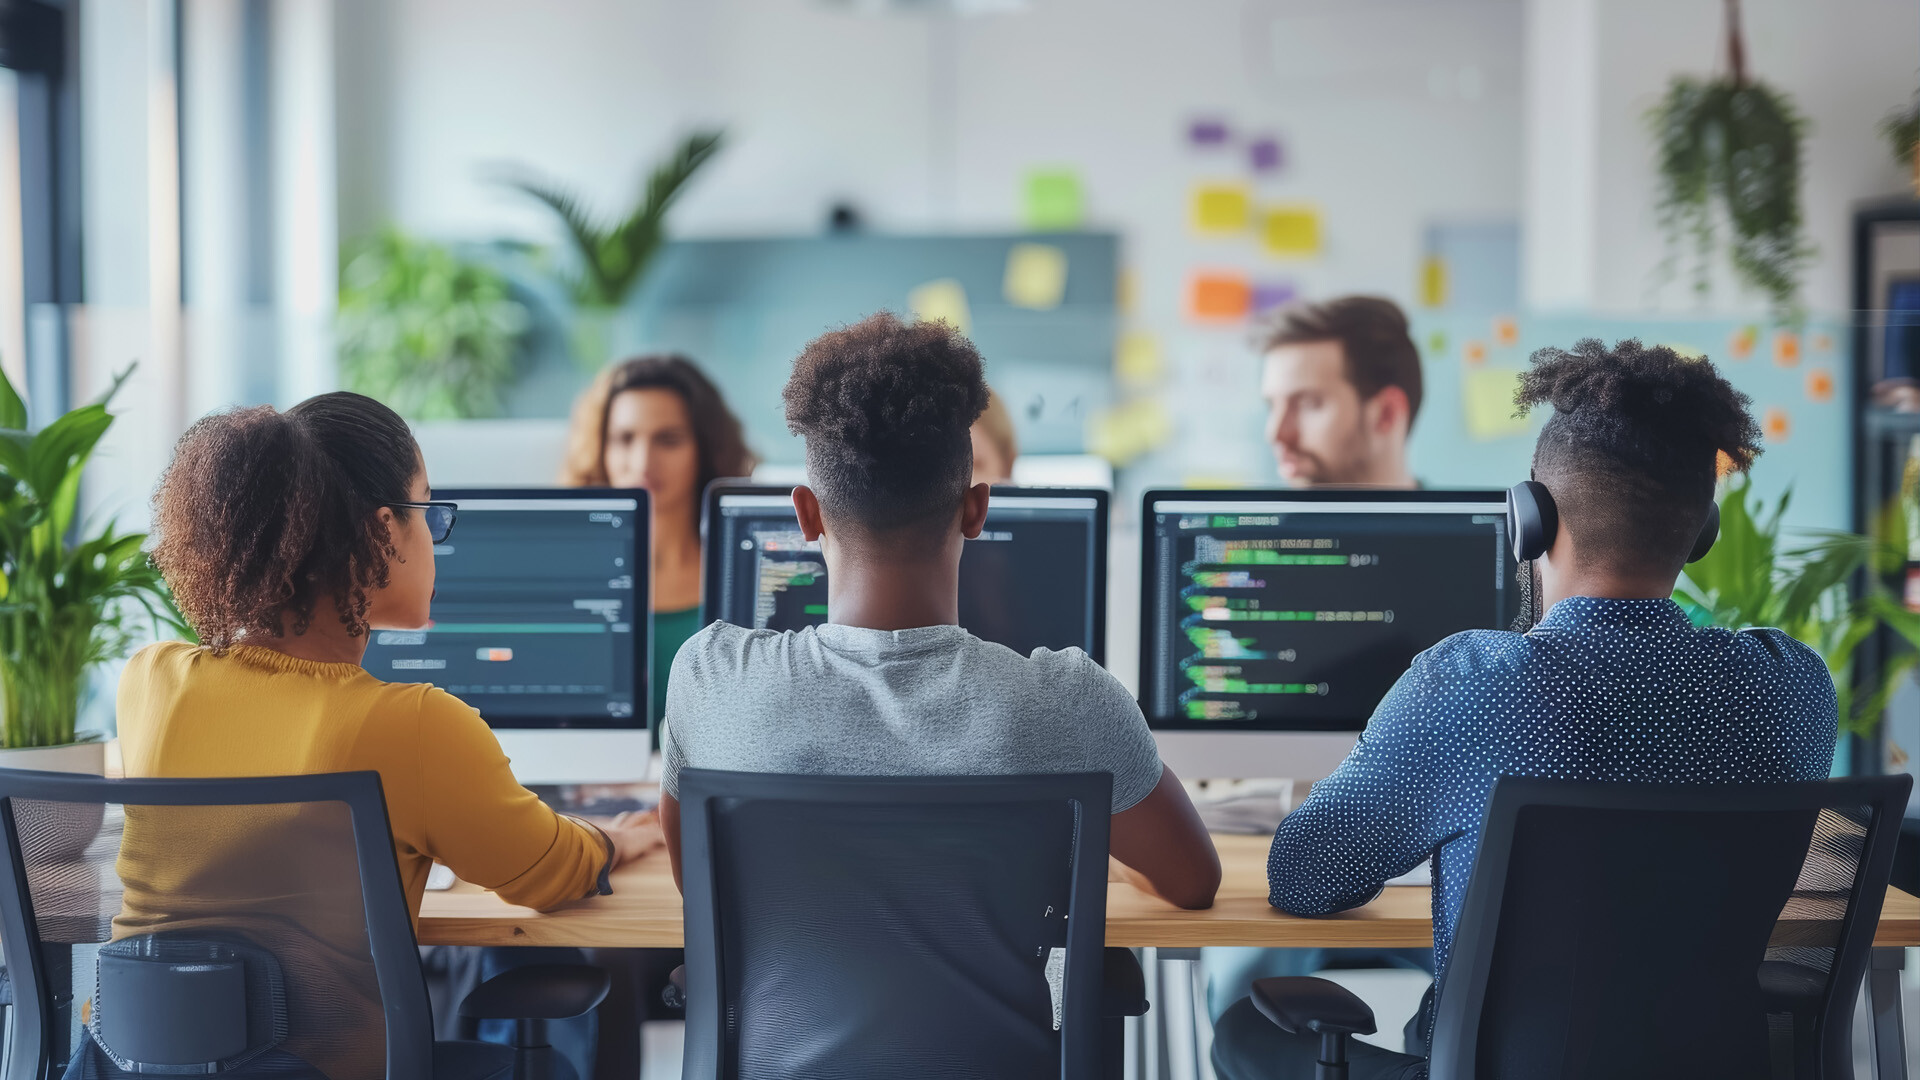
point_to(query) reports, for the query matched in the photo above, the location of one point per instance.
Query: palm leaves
(613, 258)
(64, 601)
(1749, 580)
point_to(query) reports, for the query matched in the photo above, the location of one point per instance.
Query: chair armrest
(1123, 988)
(538, 992)
(1301, 1005)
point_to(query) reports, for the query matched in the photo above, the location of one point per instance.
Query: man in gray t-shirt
(893, 686)
(929, 701)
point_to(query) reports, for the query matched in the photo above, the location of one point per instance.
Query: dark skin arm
(1164, 850)
(1159, 842)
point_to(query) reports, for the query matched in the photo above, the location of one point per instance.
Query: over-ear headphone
(1533, 519)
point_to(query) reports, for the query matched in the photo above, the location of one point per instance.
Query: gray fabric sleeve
(1116, 736)
(684, 693)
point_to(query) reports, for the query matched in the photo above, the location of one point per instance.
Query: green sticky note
(1487, 394)
(1053, 200)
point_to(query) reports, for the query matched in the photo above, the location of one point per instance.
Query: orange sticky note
(1740, 346)
(1215, 297)
(1820, 385)
(1506, 331)
(1475, 352)
(1786, 348)
(1777, 424)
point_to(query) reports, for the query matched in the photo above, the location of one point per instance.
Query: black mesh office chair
(249, 928)
(1651, 931)
(865, 927)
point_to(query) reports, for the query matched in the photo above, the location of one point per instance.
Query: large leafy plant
(1753, 577)
(68, 595)
(1732, 145)
(613, 256)
(431, 334)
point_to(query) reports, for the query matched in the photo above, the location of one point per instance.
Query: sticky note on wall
(1036, 276)
(1433, 281)
(944, 300)
(1218, 296)
(1487, 394)
(1053, 200)
(1137, 360)
(1291, 231)
(1221, 208)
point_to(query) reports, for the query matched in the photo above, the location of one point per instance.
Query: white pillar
(1560, 237)
(305, 210)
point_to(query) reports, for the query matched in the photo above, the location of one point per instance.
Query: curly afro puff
(1634, 446)
(265, 520)
(885, 408)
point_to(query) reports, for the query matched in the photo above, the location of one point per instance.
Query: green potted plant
(1732, 145)
(1752, 578)
(613, 258)
(1902, 131)
(431, 334)
(69, 594)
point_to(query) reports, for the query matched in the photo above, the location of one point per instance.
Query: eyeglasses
(439, 517)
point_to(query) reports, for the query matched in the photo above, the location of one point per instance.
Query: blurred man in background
(1342, 384)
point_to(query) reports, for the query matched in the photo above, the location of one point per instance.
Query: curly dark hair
(719, 443)
(886, 408)
(1633, 450)
(262, 516)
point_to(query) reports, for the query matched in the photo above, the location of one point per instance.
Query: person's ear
(973, 510)
(1389, 411)
(806, 507)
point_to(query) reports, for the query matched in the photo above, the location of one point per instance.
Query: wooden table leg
(1883, 1002)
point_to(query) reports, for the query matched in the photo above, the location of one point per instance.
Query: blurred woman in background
(994, 447)
(657, 422)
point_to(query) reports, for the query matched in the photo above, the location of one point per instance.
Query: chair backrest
(855, 927)
(298, 868)
(1653, 930)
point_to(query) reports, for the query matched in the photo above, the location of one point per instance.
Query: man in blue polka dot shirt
(1613, 683)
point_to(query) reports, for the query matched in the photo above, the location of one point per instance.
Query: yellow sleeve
(476, 818)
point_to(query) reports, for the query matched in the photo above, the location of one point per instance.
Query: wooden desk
(644, 912)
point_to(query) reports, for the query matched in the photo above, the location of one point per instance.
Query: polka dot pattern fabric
(1622, 690)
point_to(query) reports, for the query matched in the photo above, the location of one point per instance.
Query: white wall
(1844, 63)
(929, 123)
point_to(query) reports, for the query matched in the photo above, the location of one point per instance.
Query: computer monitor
(1273, 622)
(540, 621)
(1036, 576)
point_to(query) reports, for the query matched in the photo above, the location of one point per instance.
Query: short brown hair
(1372, 332)
(718, 442)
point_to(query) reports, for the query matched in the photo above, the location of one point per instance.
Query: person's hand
(634, 835)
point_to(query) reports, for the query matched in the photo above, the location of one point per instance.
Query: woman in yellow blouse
(286, 538)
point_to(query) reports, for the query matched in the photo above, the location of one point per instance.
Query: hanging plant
(1732, 143)
(1902, 130)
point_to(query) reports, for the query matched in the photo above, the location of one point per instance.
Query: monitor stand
(578, 756)
(1254, 755)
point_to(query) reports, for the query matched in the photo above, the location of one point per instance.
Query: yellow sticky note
(1053, 201)
(1487, 394)
(1291, 231)
(944, 300)
(1036, 276)
(1221, 208)
(1137, 361)
(1125, 432)
(1433, 281)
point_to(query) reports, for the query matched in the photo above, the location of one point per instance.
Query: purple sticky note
(1207, 132)
(1268, 295)
(1264, 154)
